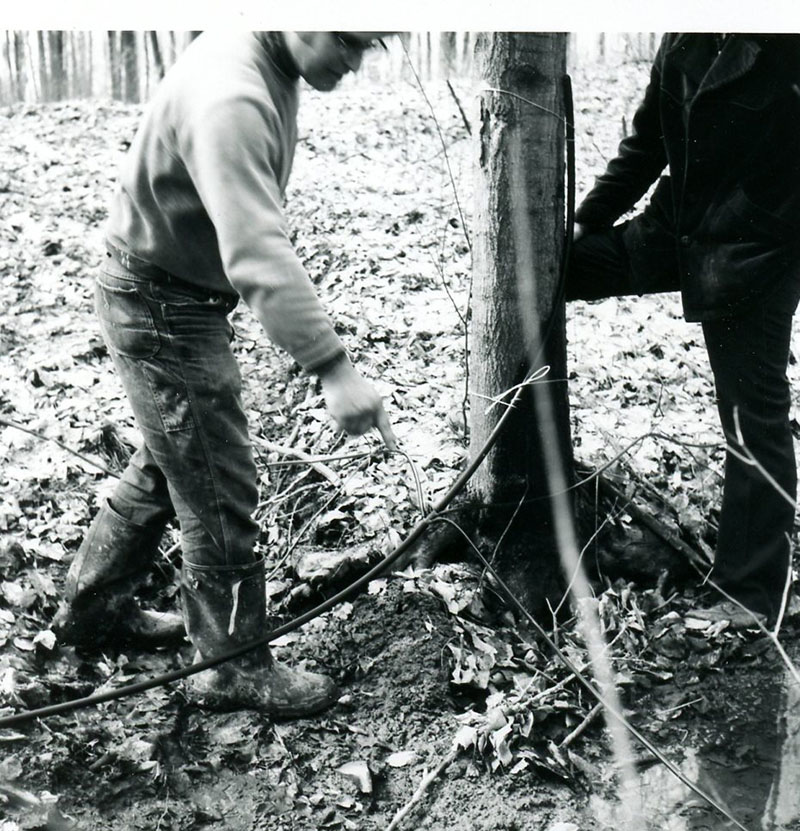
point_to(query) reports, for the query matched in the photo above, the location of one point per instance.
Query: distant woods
(54, 65)
(127, 65)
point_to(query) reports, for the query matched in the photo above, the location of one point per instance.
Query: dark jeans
(170, 343)
(748, 353)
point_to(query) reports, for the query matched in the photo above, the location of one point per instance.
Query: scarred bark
(517, 321)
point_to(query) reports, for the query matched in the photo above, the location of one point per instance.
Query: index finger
(385, 429)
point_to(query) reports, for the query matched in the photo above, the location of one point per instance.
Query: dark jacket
(724, 225)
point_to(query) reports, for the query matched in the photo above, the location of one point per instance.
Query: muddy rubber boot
(224, 607)
(98, 607)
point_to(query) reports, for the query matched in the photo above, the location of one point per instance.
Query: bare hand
(353, 402)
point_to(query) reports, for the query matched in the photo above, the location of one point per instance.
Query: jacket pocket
(760, 221)
(126, 321)
(757, 97)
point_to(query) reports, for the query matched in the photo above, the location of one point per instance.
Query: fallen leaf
(401, 758)
(46, 638)
(358, 771)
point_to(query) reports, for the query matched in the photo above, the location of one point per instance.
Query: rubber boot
(98, 607)
(224, 607)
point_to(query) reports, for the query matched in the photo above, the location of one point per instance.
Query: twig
(301, 533)
(426, 782)
(526, 100)
(534, 377)
(332, 457)
(444, 147)
(285, 494)
(460, 108)
(506, 530)
(578, 731)
(8, 423)
(304, 457)
(446, 286)
(422, 501)
(568, 589)
(280, 472)
(677, 707)
(468, 310)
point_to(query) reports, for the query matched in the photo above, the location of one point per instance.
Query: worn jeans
(171, 345)
(748, 353)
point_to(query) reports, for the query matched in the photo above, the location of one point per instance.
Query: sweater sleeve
(232, 153)
(640, 160)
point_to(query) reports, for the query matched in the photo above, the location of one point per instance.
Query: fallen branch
(426, 782)
(578, 731)
(656, 526)
(701, 544)
(304, 457)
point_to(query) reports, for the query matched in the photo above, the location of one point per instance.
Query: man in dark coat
(722, 114)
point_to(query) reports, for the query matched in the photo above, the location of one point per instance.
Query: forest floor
(436, 689)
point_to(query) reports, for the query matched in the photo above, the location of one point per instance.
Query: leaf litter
(428, 669)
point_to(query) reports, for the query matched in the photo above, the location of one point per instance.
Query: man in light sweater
(196, 224)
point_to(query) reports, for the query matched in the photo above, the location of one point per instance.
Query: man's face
(323, 58)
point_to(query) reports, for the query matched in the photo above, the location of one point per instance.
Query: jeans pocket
(126, 320)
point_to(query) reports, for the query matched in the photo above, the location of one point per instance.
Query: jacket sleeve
(231, 149)
(640, 160)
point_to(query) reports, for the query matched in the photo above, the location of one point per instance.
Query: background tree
(130, 66)
(155, 51)
(57, 65)
(114, 65)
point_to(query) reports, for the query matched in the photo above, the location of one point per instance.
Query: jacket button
(685, 240)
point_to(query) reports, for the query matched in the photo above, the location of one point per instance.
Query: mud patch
(735, 735)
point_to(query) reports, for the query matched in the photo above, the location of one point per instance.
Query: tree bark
(517, 323)
(130, 65)
(115, 67)
(158, 58)
(44, 78)
(58, 69)
(12, 77)
(19, 63)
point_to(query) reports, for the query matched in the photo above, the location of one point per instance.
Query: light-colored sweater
(202, 188)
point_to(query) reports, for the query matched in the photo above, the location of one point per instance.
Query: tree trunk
(19, 64)
(58, 69)
(449, 52)
(130, 65)
(517, 323)
(158, 58)
(8, 52)
(114, 66)
(44, 79)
